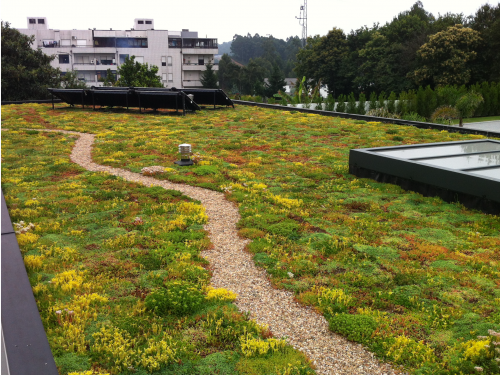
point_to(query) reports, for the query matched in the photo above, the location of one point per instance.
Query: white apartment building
(180, 55)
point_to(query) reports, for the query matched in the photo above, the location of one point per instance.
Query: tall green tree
(486, 21)
(321, 60)
(252, 79)
(228, 73)
(26, 72)
(209, 77)
(134, 73)
(273, 50)
(276, 82)
(446, 57)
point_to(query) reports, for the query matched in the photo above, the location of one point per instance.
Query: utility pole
(303, 22)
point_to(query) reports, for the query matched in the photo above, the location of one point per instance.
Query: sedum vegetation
(414, 279)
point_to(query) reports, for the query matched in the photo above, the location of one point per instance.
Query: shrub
(373, 101)
(382, 100)
(329, 103)
(179, 298)
(391, 102)
(351, 104)
(445, 115)
(360, 109)
(413, 116)
(341, 103)
(381, 112)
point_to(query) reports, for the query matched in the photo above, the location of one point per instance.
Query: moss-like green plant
(176, 297)
(357, 328)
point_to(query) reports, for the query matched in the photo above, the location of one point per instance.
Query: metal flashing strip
(471, 178)
(26, 345)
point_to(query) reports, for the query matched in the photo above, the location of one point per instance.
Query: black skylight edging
(26, 344)
(417, 124)
(473, 191)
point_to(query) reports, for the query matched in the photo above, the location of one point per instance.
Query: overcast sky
(223, 19)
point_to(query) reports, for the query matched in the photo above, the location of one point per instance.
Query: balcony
(191, 83)
(58, 45)
(198, 67)
(91, 66)
(195, 44)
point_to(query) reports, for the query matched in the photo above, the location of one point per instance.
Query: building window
(63, 59)
(163, 61)
(41, 21)
(170, 77)
(164, 76)
(66, 42)
(132, 42)
(175, 42)
(32, 21)
(149, 23)
(169, 60)
(201, 61)
(122, 58)
(104, 42)
(140, 22)
(139, 59)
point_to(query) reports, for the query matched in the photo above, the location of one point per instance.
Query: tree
(70, 80)
(464, 107)
(487, 22)
(26, 73)
(467, 104)
(209, 78)
(252, 79)
(110, 79)
(321, 59)
(133, 73)
(446, 57)
(275, 83)
(228, 73)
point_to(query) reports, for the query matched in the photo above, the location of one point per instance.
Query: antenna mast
(303, 22)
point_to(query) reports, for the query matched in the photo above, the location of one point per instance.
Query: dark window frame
(41, 21)
(32, 21)
(63, 59)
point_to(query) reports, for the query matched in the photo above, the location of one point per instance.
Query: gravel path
(234, 269)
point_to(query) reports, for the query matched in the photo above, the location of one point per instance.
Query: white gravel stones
(149, 171)
(234, 269)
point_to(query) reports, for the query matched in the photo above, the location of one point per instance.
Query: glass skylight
(465, 162)
(492, 173)
(441, 150)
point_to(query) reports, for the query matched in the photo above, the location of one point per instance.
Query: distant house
(180, 55)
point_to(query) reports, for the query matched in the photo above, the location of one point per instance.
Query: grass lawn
(414, 279)
(478, 119)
